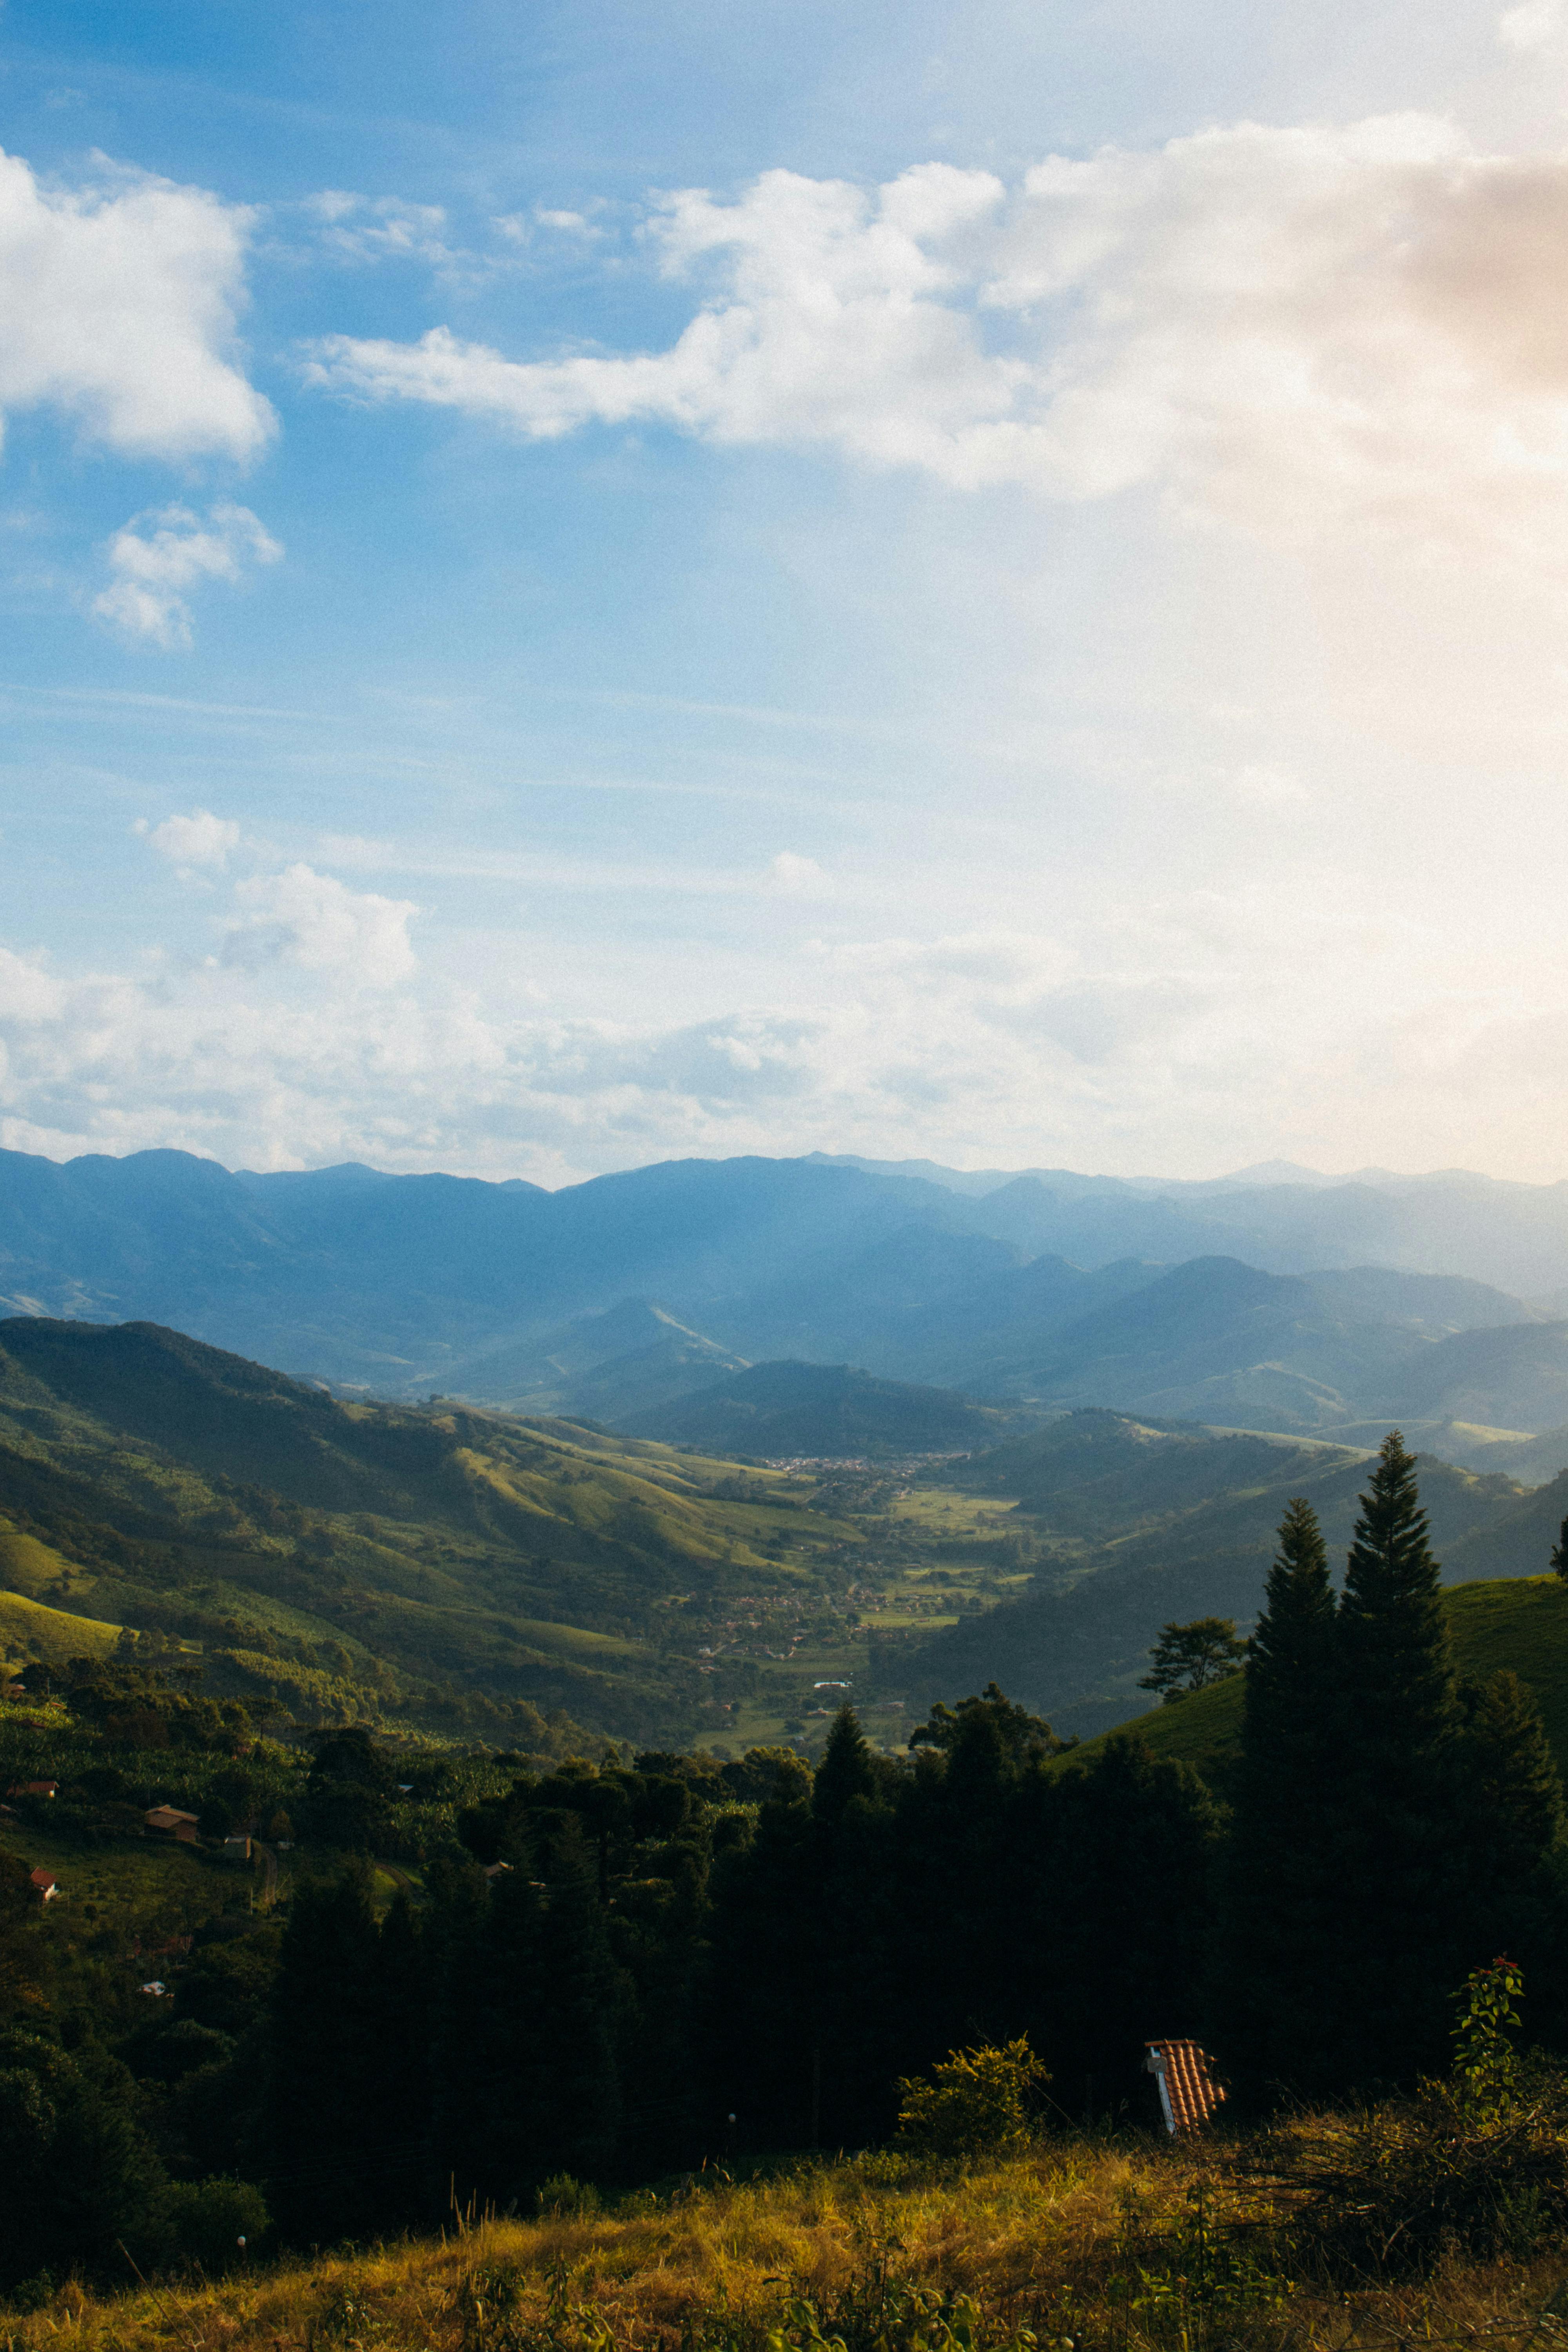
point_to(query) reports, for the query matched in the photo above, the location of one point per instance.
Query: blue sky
(588, 584)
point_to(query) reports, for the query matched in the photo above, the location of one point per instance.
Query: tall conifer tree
(1511, 1824)
(1280, 1907)
(1394, 1860)
(325, 2153)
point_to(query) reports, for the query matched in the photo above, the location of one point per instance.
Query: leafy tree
(1559, 1559)
(219, 2224)
(1015, 1731)
(1189, 1657)
(349, 1794)
(1486, 2062)
(1279, 1909)
(80, 2178)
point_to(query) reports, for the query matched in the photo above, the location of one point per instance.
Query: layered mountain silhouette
(1273, 1301)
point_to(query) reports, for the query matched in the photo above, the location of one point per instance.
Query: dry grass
(1084, 2244)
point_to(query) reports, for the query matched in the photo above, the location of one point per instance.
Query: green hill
(1520, 1623)
(1143, 1522)
(428, 1564)
(826, 1410)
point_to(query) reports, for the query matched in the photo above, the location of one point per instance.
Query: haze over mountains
(1273, 1300)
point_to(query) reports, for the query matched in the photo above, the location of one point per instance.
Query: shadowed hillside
(1074, 1645)
(782, 1410)
(1517, 1622)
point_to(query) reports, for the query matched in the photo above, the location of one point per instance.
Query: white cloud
(1184, 1037)
(200, 839)
(316, 923)
(120, 300)
(798, 877)
(1302, 330)
(1534, 25)
(359, 229)
(157, 556)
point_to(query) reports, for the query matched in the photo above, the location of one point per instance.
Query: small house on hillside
(172, 1823)
(237, 1848)
(34, 1789)
(1188, 2092)
(43, 1885)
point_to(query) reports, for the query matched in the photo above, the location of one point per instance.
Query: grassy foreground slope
(1086, 2239)
(1520, 1623)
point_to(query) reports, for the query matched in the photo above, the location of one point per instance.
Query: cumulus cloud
(317, 924)
(157, 556)
(1294, 328)
(120, 300)
(196, 841)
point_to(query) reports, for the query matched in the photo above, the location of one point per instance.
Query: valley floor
(1080, 2244)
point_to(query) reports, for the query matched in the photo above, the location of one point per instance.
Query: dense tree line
(621, 1969)
(1394, 1826)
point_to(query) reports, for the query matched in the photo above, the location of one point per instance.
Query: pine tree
(1136, 1840)
(1280, 1907)
(1510, 1820)
(326, 2066)
(1385, 2012)
(847, 1769)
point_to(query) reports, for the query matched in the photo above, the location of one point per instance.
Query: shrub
(976, 2103)
(1382, 2192)
(562, 2197)
(218, 2225)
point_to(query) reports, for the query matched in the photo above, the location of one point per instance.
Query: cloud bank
(120, 303)
(294, 1021)
(1293, 330)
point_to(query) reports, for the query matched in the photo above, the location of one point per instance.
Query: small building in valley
(44, 1887)
(171, 1823)
(237, 1848)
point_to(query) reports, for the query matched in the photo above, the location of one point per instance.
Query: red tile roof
(1188, 2092)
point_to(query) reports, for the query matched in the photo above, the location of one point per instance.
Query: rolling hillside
(447, 1566)
(1135, 1541)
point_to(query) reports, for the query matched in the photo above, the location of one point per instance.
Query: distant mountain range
(1274, 1300)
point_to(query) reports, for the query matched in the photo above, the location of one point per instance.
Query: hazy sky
(589, 583)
